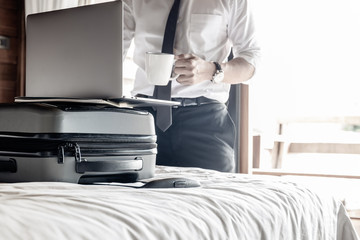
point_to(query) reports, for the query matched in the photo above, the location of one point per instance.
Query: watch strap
(217, 67)
(218, 75)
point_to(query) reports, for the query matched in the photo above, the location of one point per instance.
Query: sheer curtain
(35, 6)
(87, 2)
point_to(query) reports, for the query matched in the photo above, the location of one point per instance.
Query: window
(309, 70)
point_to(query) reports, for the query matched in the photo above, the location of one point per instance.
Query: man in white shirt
(202, 133)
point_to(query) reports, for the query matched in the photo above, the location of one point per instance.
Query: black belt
(188, 102)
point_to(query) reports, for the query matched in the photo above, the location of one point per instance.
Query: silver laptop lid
(75, 52)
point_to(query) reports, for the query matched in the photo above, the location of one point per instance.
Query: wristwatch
(218, 75)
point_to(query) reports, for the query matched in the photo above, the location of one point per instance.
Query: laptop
(77, 53)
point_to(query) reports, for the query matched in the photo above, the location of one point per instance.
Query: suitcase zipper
(68, 147)
(32, 146)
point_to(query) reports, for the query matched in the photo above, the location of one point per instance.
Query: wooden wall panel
(10, 56)
(9, 4)
(7, 71)
(12, 60)
(8, 21)
(7, 90)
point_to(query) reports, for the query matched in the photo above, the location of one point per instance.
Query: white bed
(226, 206)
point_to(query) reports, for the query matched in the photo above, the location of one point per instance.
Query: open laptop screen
(75, 52)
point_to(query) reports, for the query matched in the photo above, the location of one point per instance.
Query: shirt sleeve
(241, 32)
(129, 26)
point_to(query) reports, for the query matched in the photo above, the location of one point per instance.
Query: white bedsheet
(226, 206)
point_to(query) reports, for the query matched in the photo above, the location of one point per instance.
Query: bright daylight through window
(309, 76)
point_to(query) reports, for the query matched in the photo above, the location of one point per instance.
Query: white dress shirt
(206, 28)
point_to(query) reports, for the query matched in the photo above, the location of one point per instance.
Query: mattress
(226, 206)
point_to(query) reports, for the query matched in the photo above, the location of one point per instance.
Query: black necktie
(163, 113)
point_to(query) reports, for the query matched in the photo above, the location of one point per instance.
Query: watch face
(218, 77)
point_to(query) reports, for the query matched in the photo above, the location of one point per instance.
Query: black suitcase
(75, 143)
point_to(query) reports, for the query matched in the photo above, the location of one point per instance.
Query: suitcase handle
(8, 165)
(83, 165)
(109, 165)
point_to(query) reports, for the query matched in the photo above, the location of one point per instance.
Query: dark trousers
(200, 136)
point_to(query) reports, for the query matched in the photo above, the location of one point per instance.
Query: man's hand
(192, 69)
